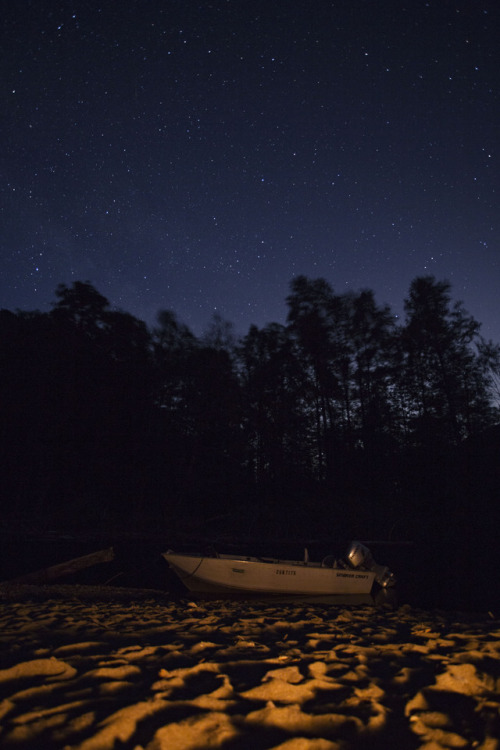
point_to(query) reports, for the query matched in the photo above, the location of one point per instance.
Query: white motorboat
(219, 573)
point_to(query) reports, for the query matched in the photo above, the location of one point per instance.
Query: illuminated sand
(83, 669)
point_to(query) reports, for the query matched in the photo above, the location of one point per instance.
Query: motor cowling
(359, 556)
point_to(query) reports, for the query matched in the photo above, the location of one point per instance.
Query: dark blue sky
(198, 156)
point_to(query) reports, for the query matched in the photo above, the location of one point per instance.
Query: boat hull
(249, 575)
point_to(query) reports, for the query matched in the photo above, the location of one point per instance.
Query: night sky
(196, 156)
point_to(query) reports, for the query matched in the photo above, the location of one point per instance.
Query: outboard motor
(359, 556)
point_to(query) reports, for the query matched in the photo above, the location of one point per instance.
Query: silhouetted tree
(101, 418)
(446, 372)
(220, 335)
(274, 420)
(82, 306)
(212, 426)
(374, 344)
(81, 386)
(198, 396)
(171, 335)
(313, 310)
(28, 394)
(348, 349)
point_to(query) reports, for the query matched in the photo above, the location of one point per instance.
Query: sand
(91, 669)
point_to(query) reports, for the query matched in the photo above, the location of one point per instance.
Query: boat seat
(210, 551)
(328, 562)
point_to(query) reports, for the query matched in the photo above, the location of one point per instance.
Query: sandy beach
(87, 668)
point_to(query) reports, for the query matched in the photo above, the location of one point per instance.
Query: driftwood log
(45, 575)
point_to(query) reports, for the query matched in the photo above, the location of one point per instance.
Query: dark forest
(343, 423)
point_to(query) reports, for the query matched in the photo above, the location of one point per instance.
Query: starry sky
(196, 156)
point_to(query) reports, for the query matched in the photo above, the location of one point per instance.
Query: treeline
(343, 421)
